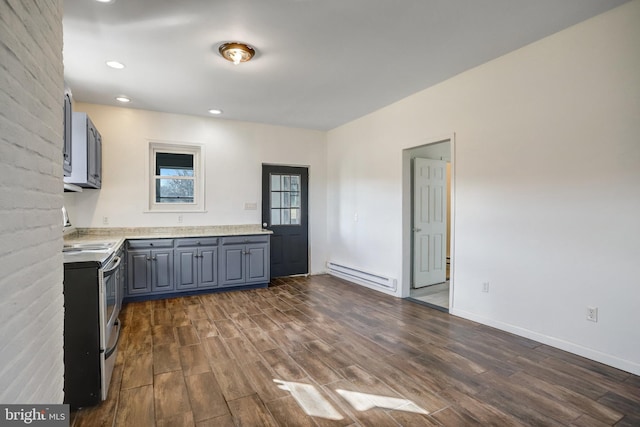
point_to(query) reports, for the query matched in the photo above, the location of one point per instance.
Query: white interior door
(429, 222)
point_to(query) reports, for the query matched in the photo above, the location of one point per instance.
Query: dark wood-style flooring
(320, 351)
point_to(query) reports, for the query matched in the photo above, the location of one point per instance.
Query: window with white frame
(176, 177)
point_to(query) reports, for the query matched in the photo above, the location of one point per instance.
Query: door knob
(265, 225)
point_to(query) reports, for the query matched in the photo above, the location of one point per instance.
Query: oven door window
(110, 280)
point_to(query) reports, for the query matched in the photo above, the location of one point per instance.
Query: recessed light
(115, 64)
(123, 99)
(105, 1)
(215, 111)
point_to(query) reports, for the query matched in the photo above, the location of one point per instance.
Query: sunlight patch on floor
(310, 400)
(314, 404)
(366, 401)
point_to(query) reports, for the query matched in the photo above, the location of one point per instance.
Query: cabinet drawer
(150, 243)
(197, 241)
(240, 240)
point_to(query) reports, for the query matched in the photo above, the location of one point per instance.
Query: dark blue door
(285, 202)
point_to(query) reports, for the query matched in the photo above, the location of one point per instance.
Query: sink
(88, 247)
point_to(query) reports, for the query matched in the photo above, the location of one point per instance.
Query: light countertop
(90, 234)
(118, 235)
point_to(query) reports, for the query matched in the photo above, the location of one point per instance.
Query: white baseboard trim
(607, 359)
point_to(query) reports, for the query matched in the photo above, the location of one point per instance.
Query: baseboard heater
(362, 277)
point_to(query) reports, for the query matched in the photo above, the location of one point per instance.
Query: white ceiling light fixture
(123, 99)
(236, 52)
(215, 111)
(115, 64)
(105, 1)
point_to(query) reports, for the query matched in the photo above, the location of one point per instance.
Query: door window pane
(275, 200)
(275, 182)
(295, 183)
(295, 200)
(295, 216)
(275, 216)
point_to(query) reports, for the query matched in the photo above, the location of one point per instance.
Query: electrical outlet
(179, 219)
(250, 206)
(485, 287)
(105, 220)
(592, 314)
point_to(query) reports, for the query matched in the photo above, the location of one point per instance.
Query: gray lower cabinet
(149, 270)
(196, 263)
(171, 266)
(244, 260)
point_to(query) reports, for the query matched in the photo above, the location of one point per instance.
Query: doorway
(285, 204)
(427, 223)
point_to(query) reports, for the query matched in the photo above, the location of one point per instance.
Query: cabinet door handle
(148, 259)
(154, 258)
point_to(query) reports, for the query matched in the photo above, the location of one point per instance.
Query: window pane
(275, 182)
(295, 182)
(295, 216)
(275, 200)
(286, 197)
(295, 200)
(174, 190)
(173, 164)
(286, 216)
(275, 216)
(175, 172)
(286, 182)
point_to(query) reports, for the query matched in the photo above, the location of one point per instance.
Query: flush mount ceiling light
(123, 99)
(215, 111)
(236, 52)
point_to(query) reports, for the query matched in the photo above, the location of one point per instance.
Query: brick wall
(31, 269)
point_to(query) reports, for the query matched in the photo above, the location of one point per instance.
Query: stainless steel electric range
(92, 299)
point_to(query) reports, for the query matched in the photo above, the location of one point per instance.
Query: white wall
(31, 307)
(547, 196)
(235, 152)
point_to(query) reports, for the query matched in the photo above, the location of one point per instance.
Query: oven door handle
(115, 266)
(110, 351)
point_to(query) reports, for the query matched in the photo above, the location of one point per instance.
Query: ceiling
(319, 63)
